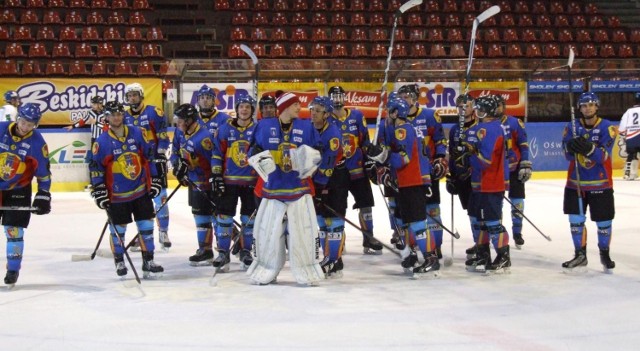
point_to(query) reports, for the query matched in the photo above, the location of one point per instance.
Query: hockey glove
(439, 167)
(263, 163)
(42, 202)
(524, 173)
(161, 165)
(371, 170)
(217, 183)
(181, 169)
(378, 153)
(579, 145)
(156, 187)
(101, 196)
(385, 178)
(322, 191)
(451, 186)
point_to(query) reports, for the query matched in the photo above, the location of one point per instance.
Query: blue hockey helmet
(398, 105)
(323, 101)
(30, 112)
(246, 99)
(206, 90)
(10, 94)
(588, 97)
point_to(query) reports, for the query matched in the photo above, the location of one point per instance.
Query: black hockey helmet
(266, 100)
(186, 111)
(486, 106)
(410, 89)
(113, 107)
(97, 100)
(464, 98)
(337, 96)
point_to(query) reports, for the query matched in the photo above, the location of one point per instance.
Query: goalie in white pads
(284, 159)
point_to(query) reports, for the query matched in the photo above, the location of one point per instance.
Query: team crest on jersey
(481, 133)
(45, 151)
(334, 144)
(206, 144)
(282, 158)
(437, 117)
(349, 142)
(238, 153)
(11, 165)
(128, 164)
(95, 148)
(401, 134)
(612, 132)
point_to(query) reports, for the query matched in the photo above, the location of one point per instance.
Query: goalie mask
(337, 96)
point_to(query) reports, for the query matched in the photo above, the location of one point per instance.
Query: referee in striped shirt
(98, 123)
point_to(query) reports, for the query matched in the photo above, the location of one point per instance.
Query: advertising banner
(514, 94)
(615, 86)
(65, 101)
(440, 97)
(305, 92)
(226, 94)
(553, 86)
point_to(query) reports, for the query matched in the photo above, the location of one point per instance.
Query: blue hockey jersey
(23, 158)
(232, 151)
(153, 120)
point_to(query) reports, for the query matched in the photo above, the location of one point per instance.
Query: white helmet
(134, 87)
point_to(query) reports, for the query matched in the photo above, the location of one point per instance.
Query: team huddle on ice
(293, 176)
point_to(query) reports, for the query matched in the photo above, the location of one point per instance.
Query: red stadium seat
(319, 19)
(278, 51)
(13, 4)
(38, 50)
(573, 8)
(583, 36)
(259, 49)
(491, 35)
(359, 50)
(299, 51)
(521, 6)
(279, 34)
(506, 20)
(37, 4)
(528, 35)
(300, 5)
(357, 19)
(51, 17)
(634, 37)
(514, 50)
(99, 69)
(416, 34)
(591, 9)
(414, 20)
(137, 19)
(596, 22)
(239, 18)
(533, 50)
(454, 34)
(89, 33)
(556, 8)
(495, 50)
(358, 35)
(280, 5)
(140, 5)
(339, 50)
(478, 50)
(112, 34)
(105, 50)
(235, 51)
(357, 6)
(510, 35)
(299, 35)
(378, 35)
(338, 19)
(319, 34)
(376, 6)
(258, 34)
(377, 19)
(418, 50)
(123, 68)
(319, 5)
(259, 19)
(133, 34)
(241, 5)
(339, 34)
(8, 17)
(73, 17)
(95, 18)
(588, 51)
(393, 5)
(450, 6)
(280, 19)
(5, 35)
(457, 50)
(607, 51)
(31, 68)
(399, 34)
(400, 50)
(435, 35)
(29, 17)
(261, 5)
(338, 5)
(613, 22)
(437, 50)
(565, 36)
(319, 50)
(145, 69)
(468, 6)
(128, 50)
(619, 36)
(61, 50)
(432, 6)
(601, 36)
(98, 4)
(561, 21)
(154, 34)
(451, 20)
(578, 21)
(116, 18)
(238, 34)
(539, 8)
(83, 50)
(78, 4)
(547, 35)
(525, 21)
(14, 50)
(8, 67)
(625, 51)
(299, 19)
(543, 21)
(22, 33)
(68, 34)
(150, 50)
(551, 50)
(55, 68)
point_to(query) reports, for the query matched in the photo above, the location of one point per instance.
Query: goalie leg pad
(303, 255)
(269, 241)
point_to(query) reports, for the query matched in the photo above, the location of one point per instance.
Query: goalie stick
(254, 59)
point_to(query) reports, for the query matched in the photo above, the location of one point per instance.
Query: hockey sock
(394, 222)
(423, 239)
(204, 230)
(578, 231)
(434, 228)
(604, 234)
(247, 232)
(335, 238)
(116, 248)
(516, 217)
(322, 233)
(162, 217)
(498, 234)
(224, 229)
(366, 220)
(15, 247)
(475, 228)
(145, 228)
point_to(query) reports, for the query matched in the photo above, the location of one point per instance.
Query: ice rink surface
(63, 305)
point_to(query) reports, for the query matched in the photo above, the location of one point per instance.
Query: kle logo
(70, 153)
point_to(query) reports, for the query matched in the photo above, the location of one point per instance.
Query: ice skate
(371, 246)
(578, 264)
(429, 269)
(409, 262)
(481, 260)
(121, 268)
(150, 269)
(397, 241)
(165, 242)
(607, 263)
(11, 278)
(502, 263)
(333, 269)
(472, 252)
(221, 263)
(518, 240)
(246, 259)
(202, 257)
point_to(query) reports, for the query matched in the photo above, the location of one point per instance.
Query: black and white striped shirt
(96, 128)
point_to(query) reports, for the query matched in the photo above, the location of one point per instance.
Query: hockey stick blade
(409, 4)
(18, 208)
(572, 55)
(491, 11)
(247, 50)
(78, 258)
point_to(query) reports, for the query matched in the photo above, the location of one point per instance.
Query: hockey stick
(76, 258)
(452, 224)
(367, 234)
(574, 131)
(117, 235)
(404, 8)
(247, 50)
(455, 235)
(18, 208)
(213, 204)
(525, 217)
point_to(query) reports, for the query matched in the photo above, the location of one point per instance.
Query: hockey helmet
(588, 97)
(400, 106)
(267, 100)
(135, 87)
(499, 99)
(246, 99)
(10, 94)
(186, 111)
(97, 100)
(30, 112)
(412, 90)
(337, 96)
(206, 90)
(113, 107)
(486, 106)
(323, 101)
(463, 99)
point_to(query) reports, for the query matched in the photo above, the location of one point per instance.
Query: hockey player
(401, 153)
(519, 166)
(95, 117)
(231, 178)
(327, 184)
(25, 155)
(285, 159)
(429, 124)
(486, 146)
(355, 138)
(124, 183)
(267, 106)
(459, 178)
(629, 130)
(211, 117)
(191, 160)
(589, 155)
(9, 111)
(152, 119)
